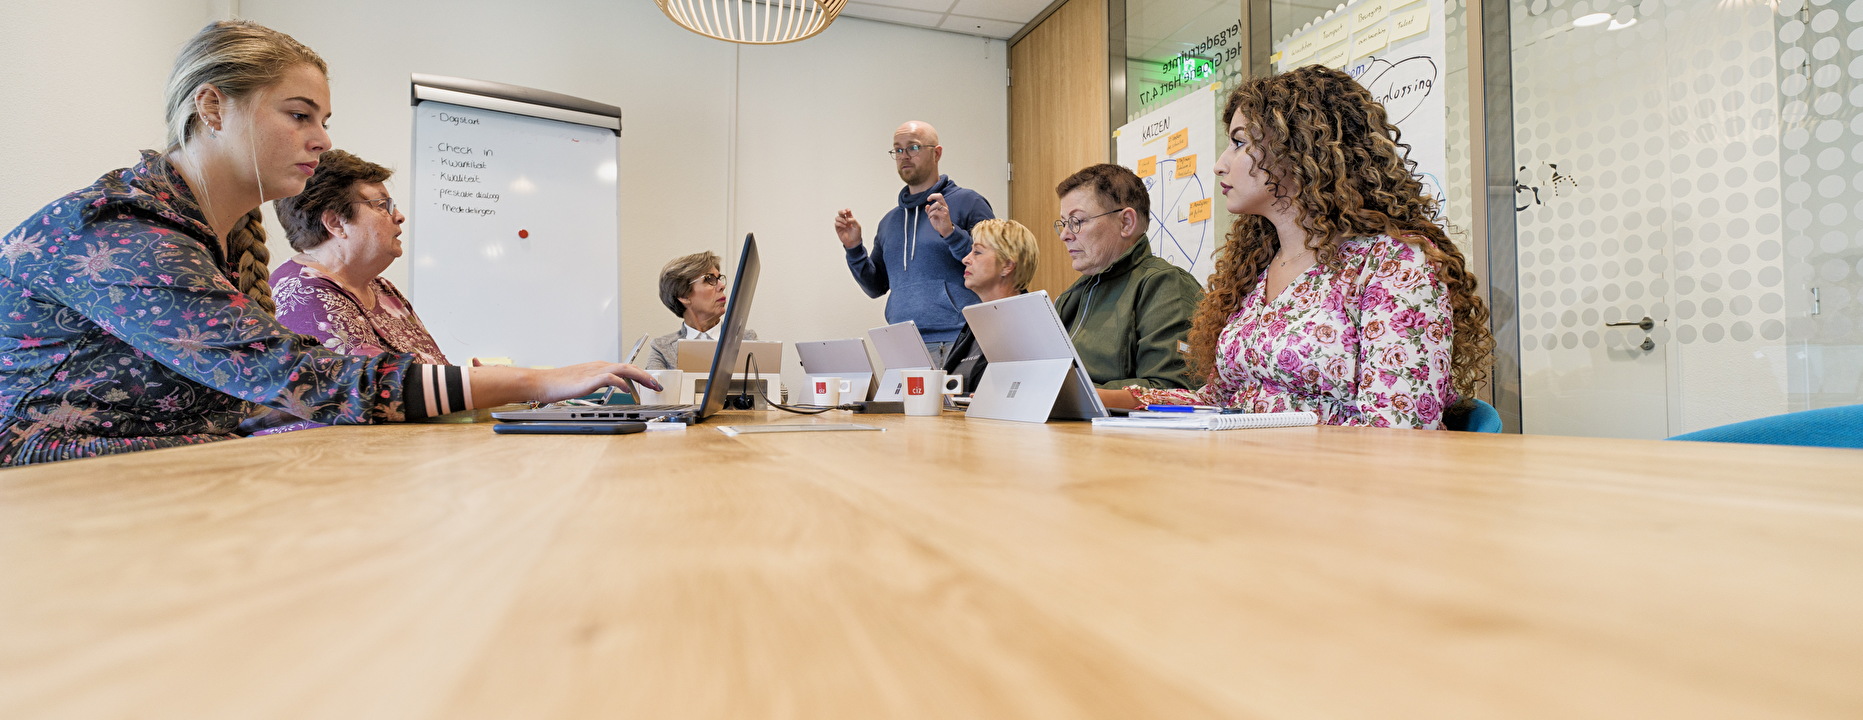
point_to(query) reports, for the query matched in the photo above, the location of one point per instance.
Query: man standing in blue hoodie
(918, 252)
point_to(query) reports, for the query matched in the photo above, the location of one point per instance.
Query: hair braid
(251, 259)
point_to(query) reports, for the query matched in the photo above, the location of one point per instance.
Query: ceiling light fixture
(1589, 20)
(1621, 24)
(753, 22)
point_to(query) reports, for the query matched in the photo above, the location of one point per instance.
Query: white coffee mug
(827, 391)
(925, 390)
(671, 380)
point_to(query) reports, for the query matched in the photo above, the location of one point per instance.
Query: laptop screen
(736, 318)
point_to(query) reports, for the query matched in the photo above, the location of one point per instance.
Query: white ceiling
(1160, 28)
(989, 18)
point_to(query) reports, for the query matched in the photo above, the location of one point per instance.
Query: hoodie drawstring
(910, 231)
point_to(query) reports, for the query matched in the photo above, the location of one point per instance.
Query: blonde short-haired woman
(1000, 264)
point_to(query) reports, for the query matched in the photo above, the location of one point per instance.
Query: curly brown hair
(1325, 147)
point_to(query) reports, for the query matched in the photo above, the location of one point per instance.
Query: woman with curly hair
(1337, 293)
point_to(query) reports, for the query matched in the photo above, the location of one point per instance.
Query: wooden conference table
(943, 568)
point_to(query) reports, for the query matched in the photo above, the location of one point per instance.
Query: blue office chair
(1840, 427)
(1483, 418)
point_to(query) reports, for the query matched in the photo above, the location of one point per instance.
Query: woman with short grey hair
(694, 289)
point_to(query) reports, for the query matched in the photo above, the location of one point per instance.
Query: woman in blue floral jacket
(124, 328)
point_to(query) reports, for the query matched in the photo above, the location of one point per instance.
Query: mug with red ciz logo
(926, 390)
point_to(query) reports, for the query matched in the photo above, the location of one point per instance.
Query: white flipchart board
(1169, 149)
(1397, 49)
(515, 222)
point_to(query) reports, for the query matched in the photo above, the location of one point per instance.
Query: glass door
(1820, 66)
(1648, 215)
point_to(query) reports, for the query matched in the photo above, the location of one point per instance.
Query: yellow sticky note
(1178, 141)
(1186, 166)
(1372, 40)
(1368, 13)
(1299, 48)
(1147, 166)
(1335, 30)
(1410, 23)
(1200, 210)
(1332, 57)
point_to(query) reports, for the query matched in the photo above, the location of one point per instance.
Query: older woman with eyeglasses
(347, 231)
(693, 288)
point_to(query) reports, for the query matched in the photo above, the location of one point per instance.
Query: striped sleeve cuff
(437, 390)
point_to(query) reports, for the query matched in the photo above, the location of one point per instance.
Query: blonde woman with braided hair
(134, 324)
(1337, 292)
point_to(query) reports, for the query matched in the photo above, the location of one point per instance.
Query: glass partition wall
(1678, 226)
(1173, 48)
(1687, 207)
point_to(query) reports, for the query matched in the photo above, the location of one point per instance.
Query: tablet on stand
(1035, 374)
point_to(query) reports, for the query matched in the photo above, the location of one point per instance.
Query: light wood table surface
(943, 568)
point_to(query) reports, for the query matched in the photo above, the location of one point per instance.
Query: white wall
(797, 131)
(82, 83)
(815, 121)
(719, 139)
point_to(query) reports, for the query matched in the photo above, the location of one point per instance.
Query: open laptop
(901, 348)
(736, 318)
(846, 358)
(1035, 374)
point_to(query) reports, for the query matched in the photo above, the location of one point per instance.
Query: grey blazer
(663, 353)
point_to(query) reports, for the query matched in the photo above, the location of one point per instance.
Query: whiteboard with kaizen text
(1170, 149)
(515, 249)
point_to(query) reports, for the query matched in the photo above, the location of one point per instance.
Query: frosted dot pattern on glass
(1823, 126)
(1458, 209)
(1652, 192)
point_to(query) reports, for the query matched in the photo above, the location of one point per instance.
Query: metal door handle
(1646, 324)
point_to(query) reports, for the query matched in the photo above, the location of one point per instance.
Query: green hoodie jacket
(1129, 321)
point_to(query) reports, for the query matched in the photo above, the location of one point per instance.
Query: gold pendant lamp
(753, 22)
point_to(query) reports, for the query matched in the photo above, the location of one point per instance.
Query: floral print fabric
(1367, 343)
(311, 303)
(121, 331)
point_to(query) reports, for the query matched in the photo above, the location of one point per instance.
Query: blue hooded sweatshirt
(923, 271)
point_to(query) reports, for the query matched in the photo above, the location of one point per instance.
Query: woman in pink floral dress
(1336, 293)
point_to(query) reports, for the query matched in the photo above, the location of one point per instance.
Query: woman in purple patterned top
(1337, 293)
(126, 328)
(346, 230)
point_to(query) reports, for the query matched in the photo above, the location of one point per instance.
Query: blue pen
(1182, 408)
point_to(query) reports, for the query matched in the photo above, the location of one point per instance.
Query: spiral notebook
(1212, 421)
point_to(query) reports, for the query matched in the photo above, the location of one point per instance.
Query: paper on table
(735, 430)
(1211, 421)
